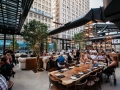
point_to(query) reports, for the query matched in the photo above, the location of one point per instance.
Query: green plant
(16, 45)
(80, 39)
(35, 32)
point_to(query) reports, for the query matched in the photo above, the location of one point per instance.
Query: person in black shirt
(69, 58)
(5, 68)
(77, 55)
(13, 58)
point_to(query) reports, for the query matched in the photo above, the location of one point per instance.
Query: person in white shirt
(100, 57)
(93, 56)
(3, 83)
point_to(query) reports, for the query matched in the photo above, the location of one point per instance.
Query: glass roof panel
(10, 14)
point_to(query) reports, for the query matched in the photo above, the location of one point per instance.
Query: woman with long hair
(111, 65)
(83, 59)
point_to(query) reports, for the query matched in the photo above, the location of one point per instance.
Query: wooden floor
(28, 80)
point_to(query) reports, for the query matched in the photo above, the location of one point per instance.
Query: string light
(4, 7)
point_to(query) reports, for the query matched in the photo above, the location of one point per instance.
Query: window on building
(49, 10)
(30, 14)
(46, 8)
(39, 17)
(46, 2)
(48, 25)
(42, 6)
(43, 1)
(49, 20)
(39, 5)
(50, 4)
(35, 15)
(35, 4)
(29, 20)
(43, 18)
(46, 19)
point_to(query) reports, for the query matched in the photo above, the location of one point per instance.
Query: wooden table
(68, 73)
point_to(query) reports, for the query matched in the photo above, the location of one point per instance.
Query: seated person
(111, 65)
(83, 59)
(3, 83)
(44, 54)
(113, 51)
(107, 57)
(100, 57)
(5, 69)
(69, 58)
(93, 56)
(51, 62)
(87, 55)
(61, 61)
(103, 52)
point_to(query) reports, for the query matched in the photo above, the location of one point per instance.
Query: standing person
(77, 54)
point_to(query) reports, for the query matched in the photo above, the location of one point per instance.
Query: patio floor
(28, 80)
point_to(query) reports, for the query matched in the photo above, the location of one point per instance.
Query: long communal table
(74, 71)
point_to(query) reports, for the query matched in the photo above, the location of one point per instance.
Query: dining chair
(81, 85)
(52, 69)
(99, 74)
(53, 82)
(112, 77)
(91, 83)
(70, 86)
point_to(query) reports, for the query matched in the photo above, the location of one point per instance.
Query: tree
(34, 34)
(16, 45)
(81, 40)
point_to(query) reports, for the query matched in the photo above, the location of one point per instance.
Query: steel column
(4, 44)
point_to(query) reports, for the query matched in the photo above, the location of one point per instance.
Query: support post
(4, 44)
(62, 44)
(13, 43)
(46, 45)
(66, 44)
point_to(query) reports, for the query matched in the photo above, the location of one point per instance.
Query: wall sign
(115, 41)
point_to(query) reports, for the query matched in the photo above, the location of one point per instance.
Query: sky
(96, 3)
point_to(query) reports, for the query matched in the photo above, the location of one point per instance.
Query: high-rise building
(65, 11)
(41, 10)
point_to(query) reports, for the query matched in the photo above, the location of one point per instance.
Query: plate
(80, 73)
(100, 65)
(64, 69)
(72, 77)
(71, 67)
(57, 74)
(87, 62)
(89, 69)
(78, 64)
(95, 67)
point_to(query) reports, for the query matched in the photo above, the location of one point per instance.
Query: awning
(112, 11)
(95, 14)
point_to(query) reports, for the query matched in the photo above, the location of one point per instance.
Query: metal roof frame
(13, 14)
